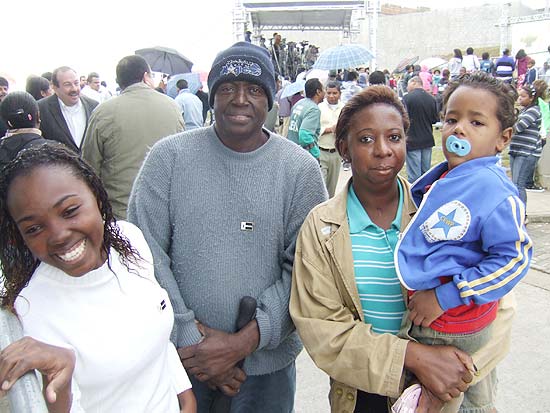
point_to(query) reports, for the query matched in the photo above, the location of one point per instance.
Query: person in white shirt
(329, 158)
(350, 86)
(93, 89)
(470, 61)
(96, 321)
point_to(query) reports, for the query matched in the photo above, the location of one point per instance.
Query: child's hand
(428, 403)
(424, 308)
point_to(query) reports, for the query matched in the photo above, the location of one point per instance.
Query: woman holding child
(347, 302)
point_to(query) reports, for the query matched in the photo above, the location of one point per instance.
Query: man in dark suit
(64, 116)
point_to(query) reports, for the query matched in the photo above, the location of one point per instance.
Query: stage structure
(260, 17)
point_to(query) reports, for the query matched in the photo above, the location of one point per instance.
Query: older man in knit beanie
(221, 208)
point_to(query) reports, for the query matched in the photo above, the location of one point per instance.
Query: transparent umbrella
(193, 82)
(433, 62)
(404, 63)
(344, 56)
(293, 88)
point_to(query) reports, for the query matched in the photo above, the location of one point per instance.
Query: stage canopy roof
(302, 15)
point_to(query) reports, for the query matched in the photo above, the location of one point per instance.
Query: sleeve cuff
(448, 296)
(264, 326)
(185, 333)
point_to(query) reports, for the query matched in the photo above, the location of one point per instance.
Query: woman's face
(375, 145)
(58, 217)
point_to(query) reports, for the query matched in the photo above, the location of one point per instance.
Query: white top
(117, 326)
(75, 116)
(470, 62)
(99, 96)
(329, 117)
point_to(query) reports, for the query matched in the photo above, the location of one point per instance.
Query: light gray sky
(39, 35)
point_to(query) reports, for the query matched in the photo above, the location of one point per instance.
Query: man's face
(3, 92)
(69, 87)
(95, 83)
(332, 95)
(240, 109)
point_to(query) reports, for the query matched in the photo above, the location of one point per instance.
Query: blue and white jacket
(469, 226)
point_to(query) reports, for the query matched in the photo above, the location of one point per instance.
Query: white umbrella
(320, 74)
(433, 62)
(293, 88)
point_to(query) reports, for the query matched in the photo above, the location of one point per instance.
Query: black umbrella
(166, 60)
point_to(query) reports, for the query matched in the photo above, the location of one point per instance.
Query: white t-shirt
(470, 63)
(118, 323)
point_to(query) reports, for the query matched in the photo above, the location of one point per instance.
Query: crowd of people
(132, 231)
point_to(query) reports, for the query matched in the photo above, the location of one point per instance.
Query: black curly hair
(16, 260)
(535, 91)
(504, 93)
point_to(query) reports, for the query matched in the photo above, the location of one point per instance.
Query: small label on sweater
(247, 226)
(325, 230)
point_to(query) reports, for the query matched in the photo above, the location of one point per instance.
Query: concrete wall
(427, 34)
(437, 33)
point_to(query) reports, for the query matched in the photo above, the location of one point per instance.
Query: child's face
(472, 115)
(523, 98)
(58, 217)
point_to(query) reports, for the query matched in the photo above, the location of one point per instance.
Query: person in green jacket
(305, 119)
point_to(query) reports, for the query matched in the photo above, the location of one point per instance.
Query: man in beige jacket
(122, 130)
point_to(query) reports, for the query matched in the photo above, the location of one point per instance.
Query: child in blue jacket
(467, 245)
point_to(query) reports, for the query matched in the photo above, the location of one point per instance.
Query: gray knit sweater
(194, 200)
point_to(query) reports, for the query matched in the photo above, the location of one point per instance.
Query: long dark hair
(16, 260)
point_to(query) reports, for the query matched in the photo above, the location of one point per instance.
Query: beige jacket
(326, 310)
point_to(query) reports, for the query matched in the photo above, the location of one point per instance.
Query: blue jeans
(480, 397)
(418, 162)
(269, 393)
(523, 168)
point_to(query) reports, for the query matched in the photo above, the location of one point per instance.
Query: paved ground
(540, 234)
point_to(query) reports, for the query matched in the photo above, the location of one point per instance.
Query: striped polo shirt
(372, 247)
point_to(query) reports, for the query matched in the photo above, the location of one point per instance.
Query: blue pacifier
(459, 146)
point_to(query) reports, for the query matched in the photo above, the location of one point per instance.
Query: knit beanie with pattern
(243, 62)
